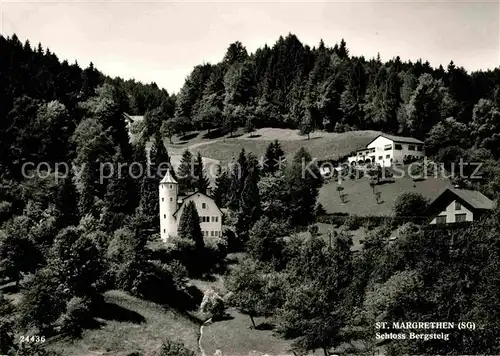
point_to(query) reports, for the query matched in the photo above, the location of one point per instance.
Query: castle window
(212, 233)
(203, 205)
(162, 199)
(164, 231)
(216, 219)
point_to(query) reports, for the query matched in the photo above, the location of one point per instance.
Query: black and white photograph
(249, 178)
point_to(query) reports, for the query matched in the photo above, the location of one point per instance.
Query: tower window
(164, 216)
(164, 231)
(171, 199)
(162, 199)
(170, 186)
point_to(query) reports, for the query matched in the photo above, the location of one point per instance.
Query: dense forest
(67, 239)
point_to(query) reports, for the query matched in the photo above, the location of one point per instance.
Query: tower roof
(168, 178)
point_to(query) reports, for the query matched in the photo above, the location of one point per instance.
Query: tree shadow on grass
(214, 133)
(188, 136)
(312, 138)
(111, 311)
(265, 326)
(254, 136)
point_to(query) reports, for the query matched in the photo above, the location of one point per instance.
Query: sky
(162, 41)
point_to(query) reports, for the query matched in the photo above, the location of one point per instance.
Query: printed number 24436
(31, 338)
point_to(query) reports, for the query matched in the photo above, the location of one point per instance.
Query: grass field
(235, 337)
(131, 324)
(322, 144)
(361, 201)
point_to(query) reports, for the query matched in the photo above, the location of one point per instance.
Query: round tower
(168, 192)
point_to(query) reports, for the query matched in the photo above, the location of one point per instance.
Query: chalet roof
(398, 139)
(474, 198)
(168, 178)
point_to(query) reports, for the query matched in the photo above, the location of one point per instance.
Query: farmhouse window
(458, 206)
(380, 157)
(411, 148)
(387, 147)
(460, 217)
(441, 219)
(398, 146)
(388, 156)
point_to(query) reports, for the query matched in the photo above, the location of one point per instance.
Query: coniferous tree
(221, 191)
(189, 225)
(273, 158)
(238, 175)
(201, 181)
(185, 173)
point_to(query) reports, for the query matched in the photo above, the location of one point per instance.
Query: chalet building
(172, 206)
(458, 205)
(386, 150)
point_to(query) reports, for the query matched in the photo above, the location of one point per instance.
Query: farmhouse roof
(474, 198)
(398, 139)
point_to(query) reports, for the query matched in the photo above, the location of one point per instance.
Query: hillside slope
(131, 325)
(321, 145)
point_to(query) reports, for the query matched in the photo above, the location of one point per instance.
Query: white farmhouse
(386, 150)
(459, 205)
(172, 206)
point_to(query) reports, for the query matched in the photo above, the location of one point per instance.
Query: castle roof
(168, 178)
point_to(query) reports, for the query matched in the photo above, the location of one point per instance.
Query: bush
(5, 211)
(215, 252)
(44, 300)
(170, 348)
(212, 304)
(352, 222)
(313, 229)
(77, 316)
(410, 207)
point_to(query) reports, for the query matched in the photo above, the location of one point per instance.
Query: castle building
(172, 206)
